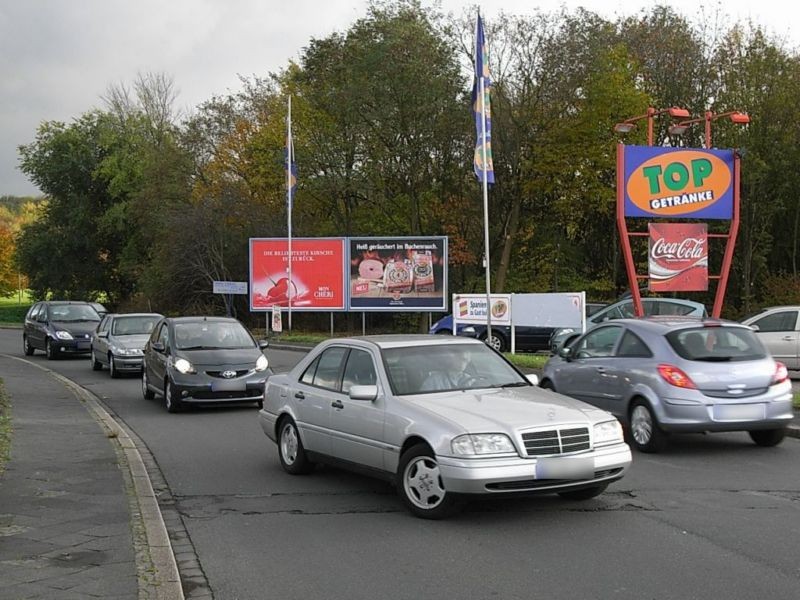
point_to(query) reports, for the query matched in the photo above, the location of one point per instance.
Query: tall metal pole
(486, 215)
(289, 161)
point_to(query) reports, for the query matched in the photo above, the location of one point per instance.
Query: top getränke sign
(678, 183)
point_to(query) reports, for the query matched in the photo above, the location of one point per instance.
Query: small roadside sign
(230, 287)
(277, 323)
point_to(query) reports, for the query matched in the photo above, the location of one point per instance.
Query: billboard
(318, 277)
(397, 273)
(471, 308)
(678, 257)
(677, 183)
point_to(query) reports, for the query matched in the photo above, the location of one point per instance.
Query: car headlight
(469, 329)
(64, 335)
(121, 351)
(473, 444)
(183, 366)
(566, 331)
(607, 432)
(262, 363)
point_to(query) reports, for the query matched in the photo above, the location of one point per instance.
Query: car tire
(546, 384)
(645, 432)
(172, 403)
(767, 437)
(147, 393)
(112, 368)
(584, 494)
(498, 342)
(96, 364)
(26, 346)
(291, 452)
(49, 351)
(420, 486)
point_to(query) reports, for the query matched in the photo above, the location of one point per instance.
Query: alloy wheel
(289, 444)
(423, 483)
(641, 425)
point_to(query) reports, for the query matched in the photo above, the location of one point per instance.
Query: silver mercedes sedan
(677, 374)
(442, 418)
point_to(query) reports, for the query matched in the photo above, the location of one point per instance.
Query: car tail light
(781, 373)
(674, 376)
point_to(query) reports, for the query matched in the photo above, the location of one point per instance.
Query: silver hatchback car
(442, 417)
(662, 375)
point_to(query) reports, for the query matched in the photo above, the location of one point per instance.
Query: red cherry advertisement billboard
(318, 277)
(678, 257)
(682, 183)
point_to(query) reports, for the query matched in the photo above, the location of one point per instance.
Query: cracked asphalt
(714, 516)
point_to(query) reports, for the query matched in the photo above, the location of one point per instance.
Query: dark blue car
(59, 328)
(529, 339)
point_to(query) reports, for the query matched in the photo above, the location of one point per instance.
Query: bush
(13, 313)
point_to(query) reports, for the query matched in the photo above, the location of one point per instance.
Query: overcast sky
(58, 57)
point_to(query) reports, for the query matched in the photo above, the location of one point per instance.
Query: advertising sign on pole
(318, 277)
(471, 308)
(678, 257)
(398, 273)
(277, 322)
(678, 183)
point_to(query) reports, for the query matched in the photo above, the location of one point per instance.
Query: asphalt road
(712, 517)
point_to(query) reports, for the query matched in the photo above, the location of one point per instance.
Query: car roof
(66, 302)
(200, 319)
(406, 340)
(664, 324)
(115, 315)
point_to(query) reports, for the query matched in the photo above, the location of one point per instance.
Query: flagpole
(289, 162)
(486, 214)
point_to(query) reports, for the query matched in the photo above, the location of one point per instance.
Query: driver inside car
(452, 372)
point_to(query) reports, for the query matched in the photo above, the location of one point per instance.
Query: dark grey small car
(59, 328)
(119, 340)
(204, 360)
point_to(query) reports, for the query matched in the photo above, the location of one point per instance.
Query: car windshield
(133, 325)
(447, 367)
(73, 312)
(716, 344)
(211, 335)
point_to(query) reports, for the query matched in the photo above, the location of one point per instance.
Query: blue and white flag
(481, 107)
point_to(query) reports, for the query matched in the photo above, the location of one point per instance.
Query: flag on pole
(289, 164)
(481, 107)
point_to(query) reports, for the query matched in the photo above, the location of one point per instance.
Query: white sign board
(230, 287)
(471, 308)
(277, 322)
(549, 310)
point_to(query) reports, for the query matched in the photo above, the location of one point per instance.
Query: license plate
(564, 468)
(228, 386)
(83, 345)
(738, 412)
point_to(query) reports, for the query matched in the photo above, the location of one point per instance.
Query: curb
(165, 583)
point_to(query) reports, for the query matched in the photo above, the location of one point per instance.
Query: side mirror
(565, 353)
(157, 346)
(364, 392)
(533, 378)
(263, 344)
(102, 334)
(41, 318)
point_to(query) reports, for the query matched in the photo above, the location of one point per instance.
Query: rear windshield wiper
(714, 358)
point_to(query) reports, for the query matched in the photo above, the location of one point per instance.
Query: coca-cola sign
(678, 258)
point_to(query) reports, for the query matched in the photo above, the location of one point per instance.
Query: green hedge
(13, 313)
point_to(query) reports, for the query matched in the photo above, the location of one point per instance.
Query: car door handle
(300, 395)
(600, 369)
(337, 404)
(787, 338)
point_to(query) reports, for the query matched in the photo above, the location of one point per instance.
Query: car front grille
(556, 441)
(218, 374)
(232, 395)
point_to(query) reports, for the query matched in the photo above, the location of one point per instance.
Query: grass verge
(5, 428)
(796, 400)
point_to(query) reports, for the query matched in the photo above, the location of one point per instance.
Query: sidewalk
(78, 515)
